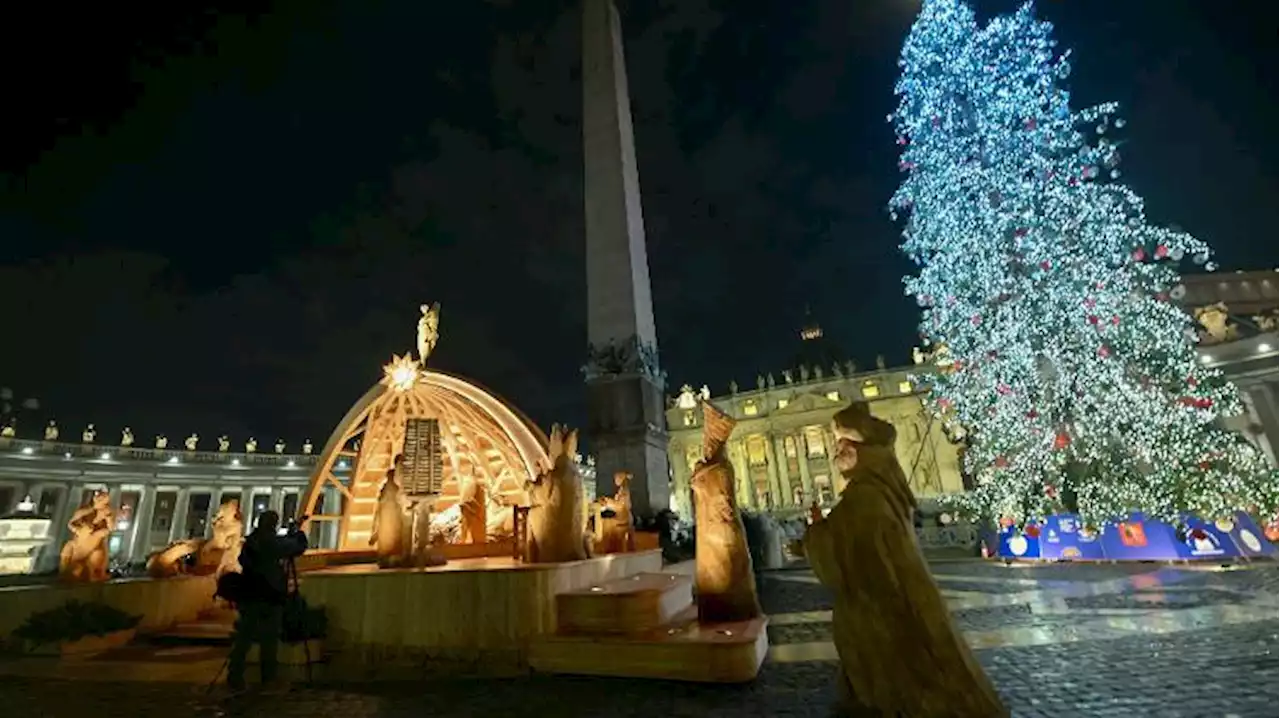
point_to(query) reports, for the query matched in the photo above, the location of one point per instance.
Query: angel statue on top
(428, 330)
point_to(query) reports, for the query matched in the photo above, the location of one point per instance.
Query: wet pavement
(1058, 640)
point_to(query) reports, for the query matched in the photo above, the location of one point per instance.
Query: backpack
(232, 587)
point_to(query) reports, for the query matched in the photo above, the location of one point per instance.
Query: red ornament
(1001, 462)
(1199, 534)
(1061, 440)
(906, 166)
(1050, 490)
(1162, 297)
(1093, 319)
(1004, 389)
(1020, 232)
(1045, 265)
(1115, 321)
(1161, 251)
(1032, 530)
(1090, 303)
(902, 140)
(975, 320)
(935, 120)
(1099, 285)
(1191, 381)
(1104, 351)
(1204, 465)
(1029, 123)
(1139, 254)
(944, 404)
(1032, 414)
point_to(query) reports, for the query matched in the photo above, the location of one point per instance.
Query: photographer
(265, 589)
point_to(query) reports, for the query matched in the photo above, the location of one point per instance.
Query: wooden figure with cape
(900, 653)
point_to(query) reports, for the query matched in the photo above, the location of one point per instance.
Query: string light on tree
(1073, 372)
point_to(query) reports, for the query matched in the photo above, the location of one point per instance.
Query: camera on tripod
(293, 525)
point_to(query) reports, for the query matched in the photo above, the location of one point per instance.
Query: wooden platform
(470, 613)
(646, 626)
(635, 604)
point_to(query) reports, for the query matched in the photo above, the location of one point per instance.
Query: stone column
(626, 417)
(784, 471)
(837, 481)
(806, 479)
(181, 504)
(276, 503)
(742, 473)
(141, 529)
(775, 481)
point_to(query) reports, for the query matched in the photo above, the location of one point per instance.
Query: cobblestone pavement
(1059, 640)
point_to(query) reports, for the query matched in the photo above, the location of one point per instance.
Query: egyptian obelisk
(626, 427)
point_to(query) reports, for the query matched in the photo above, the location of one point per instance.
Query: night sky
(225, 222)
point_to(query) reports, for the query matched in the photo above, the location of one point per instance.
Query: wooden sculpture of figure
(900, 653)
(126, 437)
(162, 442)
(51, 431)
(84, 555)
(388, 535)
(221, 553)
(557, 523)
(224, 444)
(89, 434)
(428, 331)
(725, 581)
(191, 442)
(619, 531)
(474, 506)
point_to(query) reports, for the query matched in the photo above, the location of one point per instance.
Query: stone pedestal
(625, 432)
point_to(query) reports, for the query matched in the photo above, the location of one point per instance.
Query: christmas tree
(1074, 376)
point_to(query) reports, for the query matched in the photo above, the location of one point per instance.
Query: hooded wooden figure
(725, 580)
(900, 653)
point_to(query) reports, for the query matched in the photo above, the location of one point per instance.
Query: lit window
(750, 409)
(692, 455)
(789, 446)
(755, 450)
(782, 403)
(904, 387)
(688, 418)
(870, 390)
(833, 395)
(813, 441)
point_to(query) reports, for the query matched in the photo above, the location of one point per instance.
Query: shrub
(74, 620)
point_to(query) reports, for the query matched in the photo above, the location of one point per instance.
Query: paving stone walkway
(1058, 640)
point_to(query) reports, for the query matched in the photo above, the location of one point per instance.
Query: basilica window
(904, 387)
(782, 403)
(833, 395)
(870, 390)
(750, 409)
(755, 450)
(822, 487)
(814, 444)
(688, 418)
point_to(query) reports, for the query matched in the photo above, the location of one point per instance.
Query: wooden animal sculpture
(84, 555)
(172, 560)
(726, 583)
(557, 525)
(388, 536)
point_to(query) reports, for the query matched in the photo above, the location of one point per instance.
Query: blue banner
(1062, 538)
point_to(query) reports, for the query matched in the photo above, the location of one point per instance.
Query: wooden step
(635, 604)
(683, 651)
